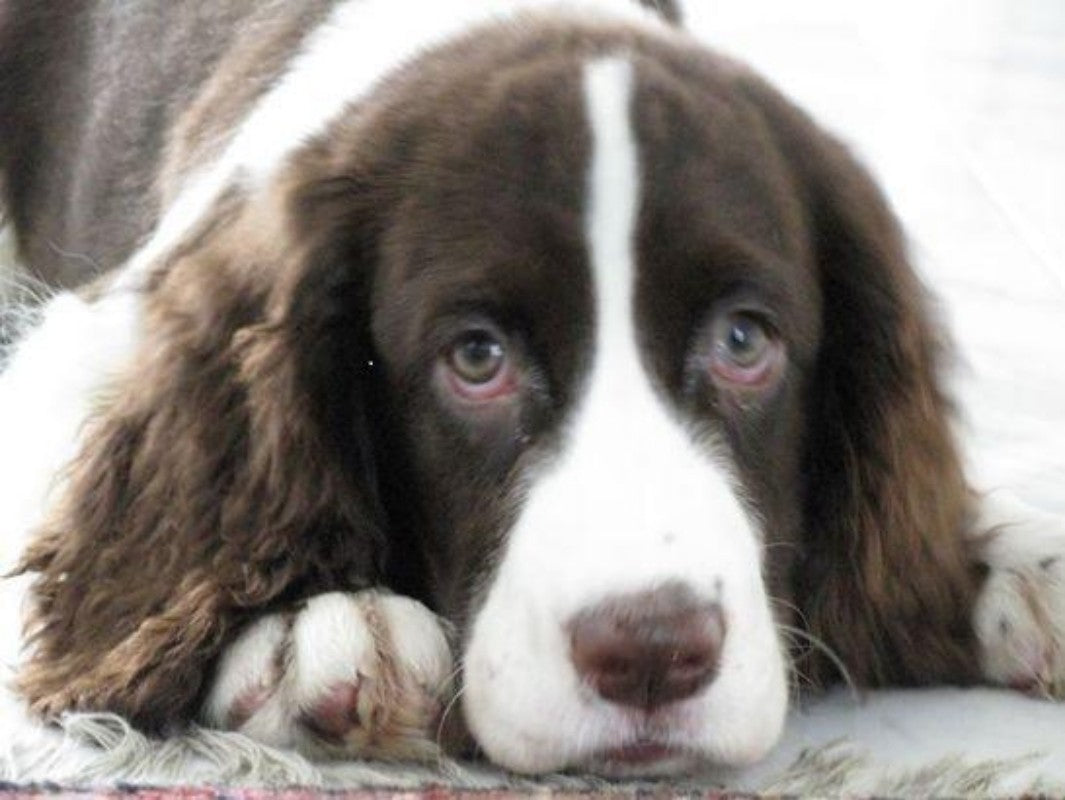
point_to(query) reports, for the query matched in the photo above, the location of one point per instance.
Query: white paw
(348, 675)
(1020, 614)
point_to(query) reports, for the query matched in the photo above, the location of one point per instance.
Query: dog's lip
(639, 754)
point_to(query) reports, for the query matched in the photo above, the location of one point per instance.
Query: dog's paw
(360, 675)
(1020, 614)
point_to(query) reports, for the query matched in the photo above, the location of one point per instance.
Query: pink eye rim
(478, 367)
(746, 353)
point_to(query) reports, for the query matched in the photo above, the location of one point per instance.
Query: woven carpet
(99, 756)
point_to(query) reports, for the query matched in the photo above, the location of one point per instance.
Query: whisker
(452, 675)
(796, 679)
(788, 605)
(792, 637)
(81, 258)
(439, 737)
(831, 654)
(785, 545)
(796, 676)
(800, 615)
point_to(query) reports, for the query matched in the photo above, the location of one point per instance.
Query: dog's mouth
(641, 757)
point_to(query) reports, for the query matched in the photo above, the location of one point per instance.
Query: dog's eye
(477, 358)
(479, 367)
(746, 351)
(740, 339)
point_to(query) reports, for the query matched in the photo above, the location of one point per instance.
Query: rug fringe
(102, 749)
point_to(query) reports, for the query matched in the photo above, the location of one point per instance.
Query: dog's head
(587, 338)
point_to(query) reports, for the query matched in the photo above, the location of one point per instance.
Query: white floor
(958, 106)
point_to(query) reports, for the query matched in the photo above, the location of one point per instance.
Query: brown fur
(882, 573)
(887, 578)
(192, 521)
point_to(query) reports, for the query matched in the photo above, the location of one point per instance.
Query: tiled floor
(959, 108)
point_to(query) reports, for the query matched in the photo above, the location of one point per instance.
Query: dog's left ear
(230, 469)
(885, 578)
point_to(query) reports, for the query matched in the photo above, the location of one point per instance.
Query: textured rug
(100, 756)
(188, 793)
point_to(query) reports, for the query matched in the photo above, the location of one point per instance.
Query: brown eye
(477, 358)
(746, 352)
(740, 339)
(479, 368)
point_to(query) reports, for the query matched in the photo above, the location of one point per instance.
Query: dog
(520, 369)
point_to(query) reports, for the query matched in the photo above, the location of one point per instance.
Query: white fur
(46, 393)
(631, 503)
(1020, 615)
(336, 640)
(247, 666)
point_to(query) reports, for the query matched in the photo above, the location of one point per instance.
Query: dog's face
(583, 336)
(595, 313)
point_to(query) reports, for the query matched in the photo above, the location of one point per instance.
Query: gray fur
(89, 91)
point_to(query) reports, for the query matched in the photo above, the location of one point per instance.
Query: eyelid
(747, 305)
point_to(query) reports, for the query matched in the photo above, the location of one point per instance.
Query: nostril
(695, 662)
(649, 649)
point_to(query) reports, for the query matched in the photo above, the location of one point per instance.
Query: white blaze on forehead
(613, 198)
(630, 503)
(643, 480)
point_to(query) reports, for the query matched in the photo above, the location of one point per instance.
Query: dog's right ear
(886, 579)
(230, 468)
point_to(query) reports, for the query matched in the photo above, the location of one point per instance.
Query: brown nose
(647, 650)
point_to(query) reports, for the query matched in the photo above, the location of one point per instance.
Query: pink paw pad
(336, 714)
(247, 704)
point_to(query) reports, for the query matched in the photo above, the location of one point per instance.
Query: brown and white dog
(522, 353)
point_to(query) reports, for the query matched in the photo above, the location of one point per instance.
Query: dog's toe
(350, 675)
(1020, 615)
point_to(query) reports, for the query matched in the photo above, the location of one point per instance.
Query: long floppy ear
(885, 578)
(230, 470)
